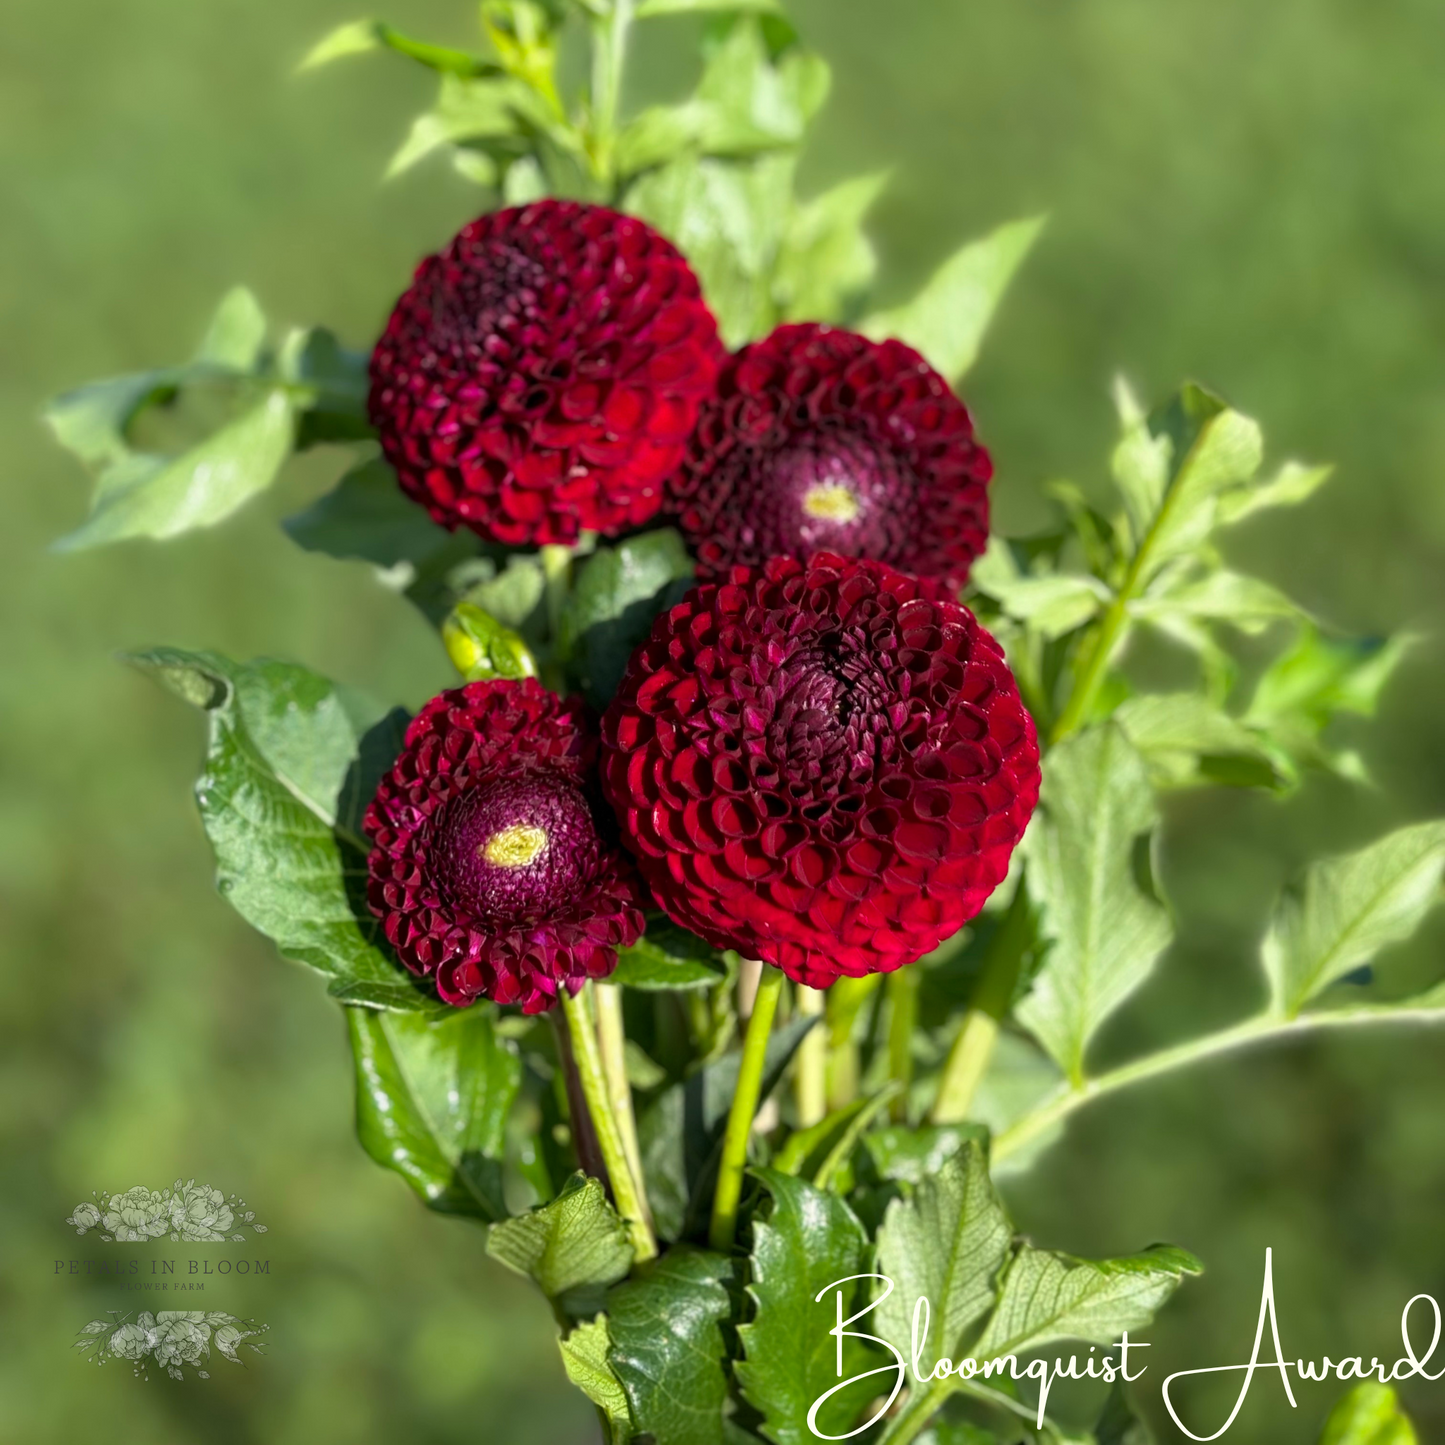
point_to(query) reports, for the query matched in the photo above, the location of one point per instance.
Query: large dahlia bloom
(493, 872)
(822, 765)
(821, 440)
(543, 372)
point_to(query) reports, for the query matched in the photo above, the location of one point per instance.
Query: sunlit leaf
(947, 1242)
(947, 319)
(574, 1247)
(1105, 932)
(432, 1100)
(1345, 910)
(291, 762)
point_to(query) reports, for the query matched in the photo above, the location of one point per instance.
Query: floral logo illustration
(195, 1213)
(171, 1339)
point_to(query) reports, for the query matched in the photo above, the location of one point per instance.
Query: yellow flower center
(514, 847)
(830, 502)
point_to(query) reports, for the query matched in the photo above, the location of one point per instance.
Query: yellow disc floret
(830, 502)
(515, 847)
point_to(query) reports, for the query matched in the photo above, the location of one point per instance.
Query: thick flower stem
(902, 1021)
(744, 1108)
(972, 1050)
(625, 1188)
(612, 1041)
(810, 1079)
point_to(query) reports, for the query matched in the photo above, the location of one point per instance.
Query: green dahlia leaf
(1369, 1415)
(618, 592)
(584, 1357)
(681, 1131)
(574, 1247)
(914, 1155)
(1317, 678)
(667, 956)
(729, 219)
(809, 1240)
(946, 321)
(1045, 1297)
(1083, 851)
(1345, 910)
(432, 1101)
(466, 111)
(1050, 604)
(1186, 740)
(825, 257)
(237, 333)
(358, 37)
(947, 1242)
(668, 1348)
(292, 759)
(1173, 466)
(1291, 485)
(153, 496)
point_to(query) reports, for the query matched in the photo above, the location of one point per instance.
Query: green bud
(481, 648)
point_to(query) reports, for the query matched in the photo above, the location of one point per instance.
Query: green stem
(810, 1080)
(609, 56)
(744, 1108)
(902, 1022)
(922, 1405)
(612, 1041)
(972, 1050)
(588, 1054)
(1237, 1036)
(1096, 662)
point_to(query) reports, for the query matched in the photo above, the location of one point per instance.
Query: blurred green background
(1250, 194)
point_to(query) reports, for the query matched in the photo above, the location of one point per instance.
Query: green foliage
(1101, 917)
(432, 1101)
(668, 1348)
(947, 1241)
(1369, 1415)
(947, 319)
(669, 957)
(1345, 910)
(1044, 1297)
(681, 1131)
(584, 1357)
(618, 591)
(291, 762)
(234, 412)
(806, 1241)
(573, 1247)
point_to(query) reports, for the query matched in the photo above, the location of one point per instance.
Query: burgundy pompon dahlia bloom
(542, 374)
(494, 873)
(819, 440)
(822, 765)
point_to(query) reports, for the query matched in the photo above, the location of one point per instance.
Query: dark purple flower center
(515, 850)
(827, 490)
(829, 722)
(490, 291)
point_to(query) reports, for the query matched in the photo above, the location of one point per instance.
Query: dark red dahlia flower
(820, 440)
(543, 372)
(494, 872)
(822, 765)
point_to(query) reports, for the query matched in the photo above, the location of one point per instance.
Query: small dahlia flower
(542, 374)
(822, 765)
(493, 872)
(820, 440)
